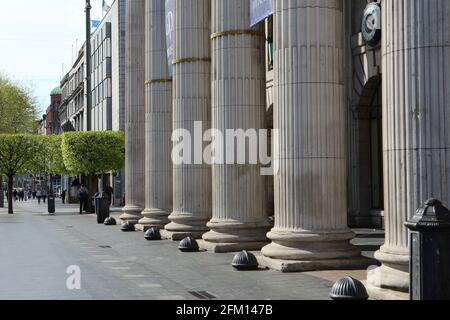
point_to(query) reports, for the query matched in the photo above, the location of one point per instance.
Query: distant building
(107, 85)
(73, 105)
(53, 124)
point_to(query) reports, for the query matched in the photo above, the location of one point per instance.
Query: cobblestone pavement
(36, 250)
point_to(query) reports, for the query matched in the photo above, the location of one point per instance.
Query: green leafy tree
(50, 161)
(53, 161)
(19, 154)
(18, 112)
(93, 154)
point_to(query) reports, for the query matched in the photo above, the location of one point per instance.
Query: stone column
(416, 130)
(310, 230)
(134, 110)
(158, 121)
(238, 103)
(191, 109)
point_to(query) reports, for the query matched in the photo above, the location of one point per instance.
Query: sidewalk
(122, 265)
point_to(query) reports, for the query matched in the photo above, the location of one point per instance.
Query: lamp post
(88, 65)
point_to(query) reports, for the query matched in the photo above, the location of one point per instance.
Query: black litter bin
(101, 208)
(51, 204)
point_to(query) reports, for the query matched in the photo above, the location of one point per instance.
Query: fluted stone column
(134, 110)
(158, 121)
(416, 127)
(310, 230)
(238, 103)
(191, 105)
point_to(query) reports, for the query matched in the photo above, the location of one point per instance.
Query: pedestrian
(83, 195)
(39, 196)
(109, 191)
(34, 195)
(44, 195)
(63, 196)
(15, 194)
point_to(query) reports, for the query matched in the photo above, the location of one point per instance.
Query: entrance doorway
(370, 157)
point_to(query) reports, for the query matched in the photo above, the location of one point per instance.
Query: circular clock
(371, 24)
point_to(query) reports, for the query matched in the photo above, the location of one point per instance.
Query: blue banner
(170, 24)
(260, 10)
(95, 24)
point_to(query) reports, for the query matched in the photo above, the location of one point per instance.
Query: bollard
(430, 252)
(347, 289)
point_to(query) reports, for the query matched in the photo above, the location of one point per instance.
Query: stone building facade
(359, 93)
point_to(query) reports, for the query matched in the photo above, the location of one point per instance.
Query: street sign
(260, 10)
(170, 24)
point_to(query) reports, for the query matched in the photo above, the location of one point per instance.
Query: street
(36, 250)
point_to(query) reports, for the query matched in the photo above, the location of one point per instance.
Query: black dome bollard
(245, 261)
(349, 288)
(128, 227)
(110, 221)
(153, 234)
(189, 245)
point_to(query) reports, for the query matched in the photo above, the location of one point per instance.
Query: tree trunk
(10, 194)
(2, 194)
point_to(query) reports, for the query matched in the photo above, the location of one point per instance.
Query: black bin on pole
(51, 204)
(430, 252)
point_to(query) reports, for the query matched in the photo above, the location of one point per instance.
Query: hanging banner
(260, 10)
(170, 23)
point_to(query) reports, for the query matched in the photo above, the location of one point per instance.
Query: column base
(232, 236)
(305, 250)
(285, 266)
(230, 247)
(153, 218)
(178, 236)
(376, 293)
(391, 280)
(184, 225)
(132, 214)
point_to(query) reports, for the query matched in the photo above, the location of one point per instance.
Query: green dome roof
(56, 92)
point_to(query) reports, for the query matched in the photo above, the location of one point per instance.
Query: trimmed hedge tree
(93, 153)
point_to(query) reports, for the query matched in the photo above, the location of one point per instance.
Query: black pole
(88, 65)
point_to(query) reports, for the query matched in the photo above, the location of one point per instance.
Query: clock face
(371, 24)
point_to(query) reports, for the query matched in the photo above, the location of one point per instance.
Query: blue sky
(36, 39)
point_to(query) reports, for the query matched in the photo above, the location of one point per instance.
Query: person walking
(83, 195)
(44, 195)
(63, 196)
(34, 195)
(109, 192)
(15, 194)
(39, 196)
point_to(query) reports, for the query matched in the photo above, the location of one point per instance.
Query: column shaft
(158, 120)
(134, 110)
(238, 103)
(191, 108)
(310, 188)
(416, 130)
